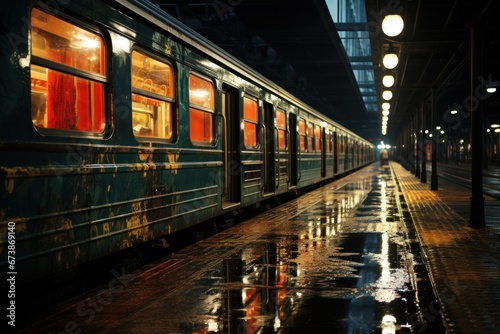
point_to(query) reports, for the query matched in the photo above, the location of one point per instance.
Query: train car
(119, 125)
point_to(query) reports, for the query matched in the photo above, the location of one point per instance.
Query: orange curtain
(61, 95)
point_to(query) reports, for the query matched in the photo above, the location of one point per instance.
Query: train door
(293, 149)
(282, 147)
(231, 144)
(269, 149)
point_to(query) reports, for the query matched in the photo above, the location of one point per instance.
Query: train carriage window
(281, 126)
(202, 110)
(317, 138)
(310, 137)
(302, 135)
(152, 97)
(68, 76)
(329, 141)
(251, 119)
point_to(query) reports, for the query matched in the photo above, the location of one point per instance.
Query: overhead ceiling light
(385, 112)
(390, 60)
(386, 106)
(388, 80)
(491, 89)
(453, 112)
(387, 95)
(392, 25)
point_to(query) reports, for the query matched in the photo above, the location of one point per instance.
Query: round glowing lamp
(387, 95)
(385, 112)
(390, 60)
(388, 80)
(392, 25)
(386, 106)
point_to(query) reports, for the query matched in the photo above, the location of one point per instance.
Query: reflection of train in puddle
(261, 284)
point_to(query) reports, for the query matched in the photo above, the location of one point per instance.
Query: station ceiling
(435, 54)
(298, 45)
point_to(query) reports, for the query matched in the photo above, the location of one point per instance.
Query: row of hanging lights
(392, 25)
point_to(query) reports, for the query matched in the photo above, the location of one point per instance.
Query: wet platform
(464, 262)
(348, 257)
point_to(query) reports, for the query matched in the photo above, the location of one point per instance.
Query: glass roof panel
(350, 20)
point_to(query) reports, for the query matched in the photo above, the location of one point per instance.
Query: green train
(119, 125)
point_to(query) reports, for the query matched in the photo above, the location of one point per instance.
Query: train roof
(154, 14)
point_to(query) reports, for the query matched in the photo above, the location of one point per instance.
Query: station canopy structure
(317, 50)
(434, 85)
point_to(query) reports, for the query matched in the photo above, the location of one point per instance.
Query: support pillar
(423, 170)
(476, 199)
(411, 145)
(434, 142)
(417, 146)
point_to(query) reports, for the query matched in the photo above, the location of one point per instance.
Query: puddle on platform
(342, 266)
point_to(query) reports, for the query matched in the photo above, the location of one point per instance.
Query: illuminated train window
(152, 97)
(251, 119)
(68, 75)
(281, 125)
(202, 110)
(302, 134)
(317, 138)
(329, 142)
(310, 137)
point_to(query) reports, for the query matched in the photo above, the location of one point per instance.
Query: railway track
(461, 176)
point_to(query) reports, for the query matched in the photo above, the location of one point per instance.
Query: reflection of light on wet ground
(337, 266)
(383, 202)
(388, 324)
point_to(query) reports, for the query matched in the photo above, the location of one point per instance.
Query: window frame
(252, 122)
(302, 134)
(143, 93)
(206, 110)
(317, 138)
(329, 141)
(310, 136)
(283, 130)
(76, 74)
